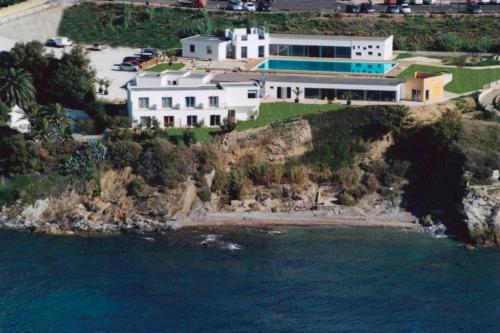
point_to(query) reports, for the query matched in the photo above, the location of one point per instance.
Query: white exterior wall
(271, 88)
(362, 46)
(232, 98)
(219, 49)
(252, 41)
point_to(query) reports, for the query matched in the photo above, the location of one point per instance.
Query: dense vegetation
(5, 3)
(137, 26)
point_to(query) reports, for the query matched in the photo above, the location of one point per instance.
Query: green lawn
(164, 66)
(273, 112)
(464, 79)
(269, 113)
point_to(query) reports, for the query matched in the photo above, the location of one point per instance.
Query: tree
(171, 55)
(56, 115)
(4, 113)
(297, 91)
(72, 82)
(16, 87)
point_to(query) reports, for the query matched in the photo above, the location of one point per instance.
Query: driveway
(44, 25)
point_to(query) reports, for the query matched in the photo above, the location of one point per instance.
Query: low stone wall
(23, 9)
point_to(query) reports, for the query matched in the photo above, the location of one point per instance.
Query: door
(278, 93)
(415, 95)
(288, 92)
(243, 52)
(261, 51)
(168, 121)
(427, 95)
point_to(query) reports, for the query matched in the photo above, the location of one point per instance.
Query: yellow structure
(424, 87)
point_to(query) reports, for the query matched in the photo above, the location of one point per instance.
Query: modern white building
(250, 43)
(186, 98)
(286, 87)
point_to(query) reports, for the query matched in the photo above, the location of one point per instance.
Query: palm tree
(56, 115)
(16, 87)
(170, 54)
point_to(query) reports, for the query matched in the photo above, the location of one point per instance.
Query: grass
(269, 113)
(404, 56)
(139, 26)
(164, 66)
(464, 79)
(274, 112)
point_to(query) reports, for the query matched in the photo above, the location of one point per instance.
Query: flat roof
(310, 79)
(330, 37)
(176, 88)
(206, 38)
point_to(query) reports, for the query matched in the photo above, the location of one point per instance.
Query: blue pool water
(303, 280)
(326, 66)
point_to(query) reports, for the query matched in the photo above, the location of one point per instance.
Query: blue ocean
(248, 280)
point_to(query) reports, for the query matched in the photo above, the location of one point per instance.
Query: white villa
(188, 98)
(251, 43)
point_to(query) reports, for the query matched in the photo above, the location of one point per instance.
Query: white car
(235, 5)
(484, 2)
(249, 7)
(128, 67)
(59, 42)
(405, 9)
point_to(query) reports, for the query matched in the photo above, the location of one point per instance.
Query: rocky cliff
(480, 209)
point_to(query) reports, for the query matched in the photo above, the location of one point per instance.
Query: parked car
(367, 7)
(390, 2)
(97, 47)
(128, 67)
(429, 2)
(352, 9)
(265, 6)
(402, 2)
(150, 51)
(59, 42)
(484, 2)
(235, 5)
(416, 2)
(127, 59)
(405, 9)
(392, 9)
(137, 63)
(474, 9)
(193, 3)
(249, 6)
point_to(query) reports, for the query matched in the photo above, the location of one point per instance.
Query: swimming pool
(325, 66)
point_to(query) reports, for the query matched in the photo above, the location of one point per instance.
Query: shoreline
(292, 220)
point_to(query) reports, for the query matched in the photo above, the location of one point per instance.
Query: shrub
(346, 199)
(136, 186)
(124, 153)
(158, 164)
(265, 174)
(204, 194)
(235, 183)
(296, 174)
(369, 180)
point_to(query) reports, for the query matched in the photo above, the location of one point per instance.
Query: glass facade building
(310, 51)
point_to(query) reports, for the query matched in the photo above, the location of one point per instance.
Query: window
(369, 46)
(144, 102)
(379, 54)
(191, 48)
(166, 102)
(378, 46)
(174, 83)
(364, 48)
(213, 101)
(209, 50)
(370, 53)
(244, 37)
(214, 120)
(168, 121)
(252, 94)
(190, 102)
(358, 53)
(311, 93)
(145, 121)
(192, 120)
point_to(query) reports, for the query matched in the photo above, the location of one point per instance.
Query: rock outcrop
(480, 209)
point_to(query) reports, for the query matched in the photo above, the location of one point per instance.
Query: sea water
(248, 280)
